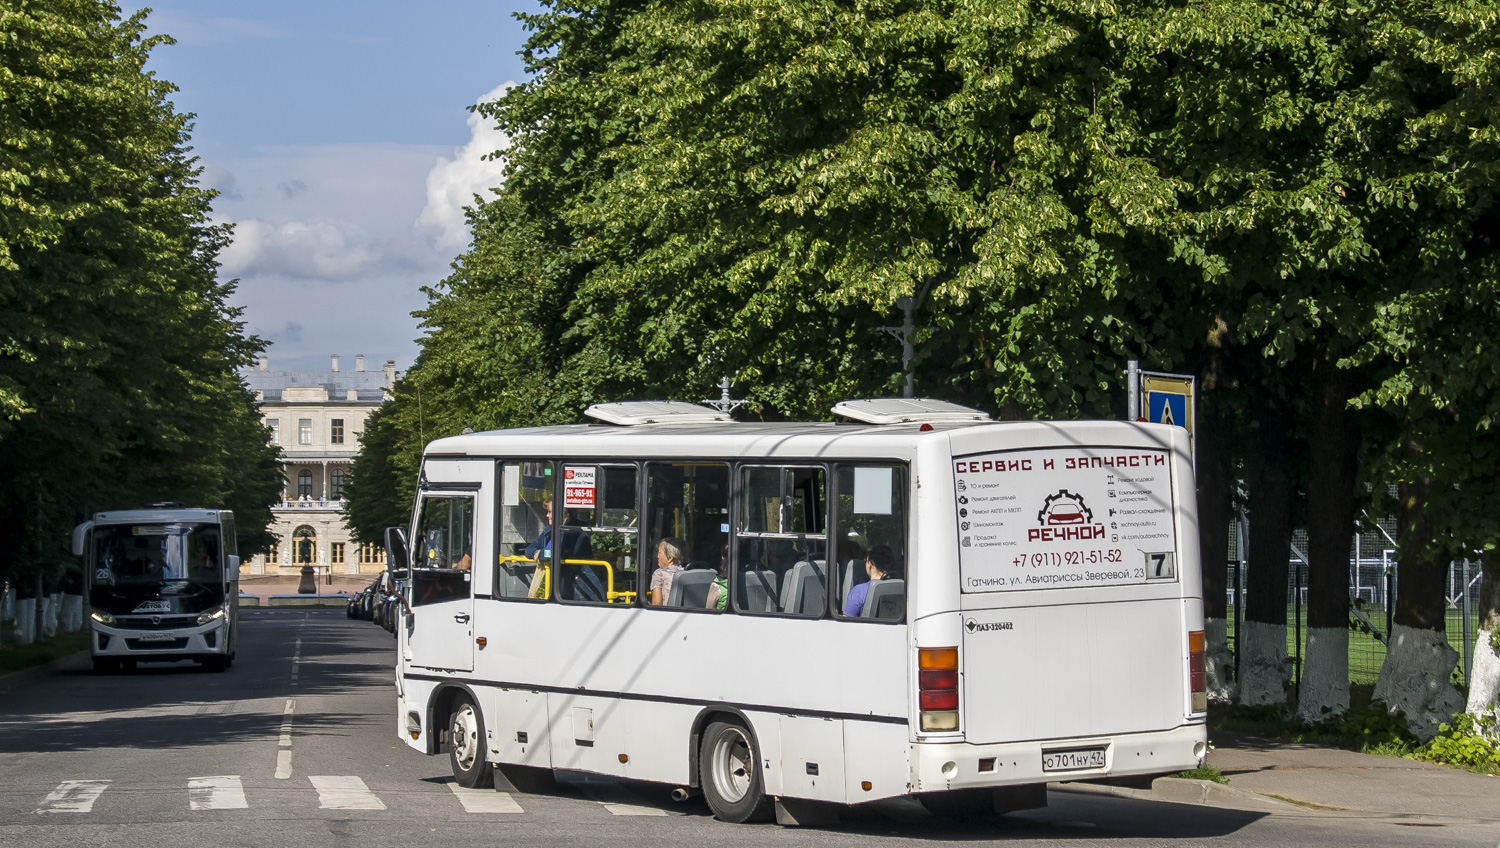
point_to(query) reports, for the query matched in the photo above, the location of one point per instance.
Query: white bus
(162, 586)
(920, 602)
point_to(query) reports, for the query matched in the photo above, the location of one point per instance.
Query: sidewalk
(1332, 779)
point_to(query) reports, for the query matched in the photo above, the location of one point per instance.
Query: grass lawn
(15, 657)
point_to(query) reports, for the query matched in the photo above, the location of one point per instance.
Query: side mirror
(81, 537)
(395, 550)
(231, 569)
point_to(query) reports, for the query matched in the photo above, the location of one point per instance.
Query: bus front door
(442, 596)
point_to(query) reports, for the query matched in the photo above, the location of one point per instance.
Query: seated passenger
(718, 593)
(880, 564)
(669, 560)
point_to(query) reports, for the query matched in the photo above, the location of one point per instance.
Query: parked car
(367, 600)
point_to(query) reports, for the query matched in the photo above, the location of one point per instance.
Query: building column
(325, 479)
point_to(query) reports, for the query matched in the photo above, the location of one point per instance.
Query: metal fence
(1372, 591)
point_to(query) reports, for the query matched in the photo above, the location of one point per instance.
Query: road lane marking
(224, 792)
(344, 792)
(73, 796)
(618, 800)
(296, 659)
(284, 756)
(485, 800)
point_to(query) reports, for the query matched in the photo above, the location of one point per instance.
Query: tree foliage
(118, 346)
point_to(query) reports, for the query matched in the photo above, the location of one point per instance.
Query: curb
(26, 675)
(1190, 791)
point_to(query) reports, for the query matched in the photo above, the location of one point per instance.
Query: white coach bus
(788, 617)
(163, 586)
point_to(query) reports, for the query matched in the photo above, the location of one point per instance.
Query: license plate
(157, 637)
(1081, 758)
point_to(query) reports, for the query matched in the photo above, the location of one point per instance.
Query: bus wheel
(729, 771)
(106, 666)
(218, 663)
(466, 746)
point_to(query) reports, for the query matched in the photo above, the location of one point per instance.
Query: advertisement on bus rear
(1064, 517)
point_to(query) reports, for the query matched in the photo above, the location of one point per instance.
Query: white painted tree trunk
(1414, 679)
(1484, 676)
(50, 605)
(1324, 692)
(71, 618)
(25, 621)
(1264, 671)
(1219, 661)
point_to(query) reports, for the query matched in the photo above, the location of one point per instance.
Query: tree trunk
(1262, 643)
(1419, 661)
(1212, 447)
(1331, 505)
(1484, 677)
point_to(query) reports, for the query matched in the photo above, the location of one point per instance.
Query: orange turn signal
(481, 641)
(1197, 643)
(937, 658)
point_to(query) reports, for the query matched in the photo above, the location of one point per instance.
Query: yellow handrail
(543, 589)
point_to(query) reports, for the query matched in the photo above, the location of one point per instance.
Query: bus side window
(600, 532)
(871, 557)
(782, 552)
(687, 511)
(523, 566)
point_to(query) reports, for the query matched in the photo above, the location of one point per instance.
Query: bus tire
(102, 666)
(466, 745)
(730, 774)
(215, 664)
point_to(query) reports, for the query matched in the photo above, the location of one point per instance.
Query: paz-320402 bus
(789, 617)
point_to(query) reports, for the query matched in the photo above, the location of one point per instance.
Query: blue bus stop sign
(1167, 408)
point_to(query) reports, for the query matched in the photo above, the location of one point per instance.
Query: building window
(304, 431)
(274, 425)
(304, 483)
(336, 431)
(336, 553)
(273, 554)
(336, 483)
(371, 554)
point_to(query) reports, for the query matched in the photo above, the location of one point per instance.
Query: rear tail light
(937, 688)
(1198, 670)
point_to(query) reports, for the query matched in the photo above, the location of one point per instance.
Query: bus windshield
(170, 559)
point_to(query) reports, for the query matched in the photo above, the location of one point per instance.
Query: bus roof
(803, 440)
(157, 516)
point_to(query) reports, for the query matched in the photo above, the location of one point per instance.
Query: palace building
(317, 418)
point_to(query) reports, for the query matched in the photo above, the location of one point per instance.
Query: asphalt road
(296, 745)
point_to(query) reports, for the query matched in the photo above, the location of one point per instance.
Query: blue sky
(340, 137)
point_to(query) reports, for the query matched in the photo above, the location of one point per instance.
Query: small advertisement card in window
(578, 487)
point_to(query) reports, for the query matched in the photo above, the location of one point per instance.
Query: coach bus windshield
(159, 559)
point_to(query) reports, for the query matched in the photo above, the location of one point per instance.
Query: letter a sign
(1169, 399)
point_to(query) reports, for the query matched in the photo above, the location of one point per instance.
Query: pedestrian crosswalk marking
(224, 792)
(485, 800)
(344, 792)
(73, 796)
(618, 800)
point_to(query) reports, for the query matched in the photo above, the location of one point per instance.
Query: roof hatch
(907, 411)
(632, 412)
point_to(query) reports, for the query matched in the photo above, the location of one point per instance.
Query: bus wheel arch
(717, 712)
(440, 706)
(730, 771)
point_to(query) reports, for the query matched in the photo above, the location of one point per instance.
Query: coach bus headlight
(937, 688)
(102, 617)
(210, 615)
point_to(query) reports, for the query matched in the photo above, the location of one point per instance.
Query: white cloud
(330, 250)
(453, 182)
